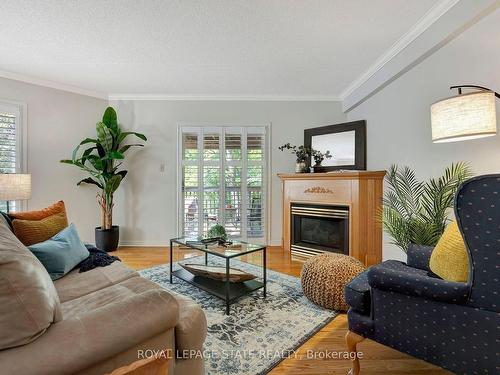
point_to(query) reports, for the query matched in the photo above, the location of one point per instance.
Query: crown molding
(116, 97)
(52, 84)
(281, 98)
(436, 12)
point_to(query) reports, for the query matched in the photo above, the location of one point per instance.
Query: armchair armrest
(418, 256)
(77, 343)
(395, 276)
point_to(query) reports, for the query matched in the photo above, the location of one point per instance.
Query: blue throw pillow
(61, 253)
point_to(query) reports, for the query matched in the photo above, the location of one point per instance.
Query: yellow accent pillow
(449, 259)
(30, 232)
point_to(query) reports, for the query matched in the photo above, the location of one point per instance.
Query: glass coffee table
(226, 290)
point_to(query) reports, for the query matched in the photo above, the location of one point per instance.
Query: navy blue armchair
(450, 324)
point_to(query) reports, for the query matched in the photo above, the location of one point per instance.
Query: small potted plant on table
(99, 161)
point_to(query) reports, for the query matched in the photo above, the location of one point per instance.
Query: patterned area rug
(259, 332)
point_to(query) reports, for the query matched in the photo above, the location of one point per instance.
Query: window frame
(21, 111)
(211, 128)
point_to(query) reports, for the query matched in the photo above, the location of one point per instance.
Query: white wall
(146, 202)
(398, 117)
(57, 121)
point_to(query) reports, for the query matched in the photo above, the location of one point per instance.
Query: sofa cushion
(78, 307)
(61, 253)
(190, 331)
(357, 293)
(29, 303)
(76, 284)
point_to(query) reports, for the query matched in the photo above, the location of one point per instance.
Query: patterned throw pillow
(449, 259)
(56, 208)
(30, 232)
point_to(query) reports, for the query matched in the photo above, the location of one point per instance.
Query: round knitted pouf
(324, 277)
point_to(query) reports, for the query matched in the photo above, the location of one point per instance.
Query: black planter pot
(107, 239)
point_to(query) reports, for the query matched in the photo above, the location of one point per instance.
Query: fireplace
(356, 195)
(316, 229)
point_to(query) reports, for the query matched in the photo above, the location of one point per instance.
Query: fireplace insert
(319, 228)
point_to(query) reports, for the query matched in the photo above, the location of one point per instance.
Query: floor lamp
(465, 116)
(14, 186)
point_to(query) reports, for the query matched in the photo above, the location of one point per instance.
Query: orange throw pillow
(56, 208)
(30, 232)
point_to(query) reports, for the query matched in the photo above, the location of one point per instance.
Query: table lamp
(465, 116)
(14, 186)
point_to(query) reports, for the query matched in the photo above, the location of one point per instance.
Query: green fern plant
(414, 211)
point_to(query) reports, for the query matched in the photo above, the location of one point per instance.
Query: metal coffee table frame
(225, 290)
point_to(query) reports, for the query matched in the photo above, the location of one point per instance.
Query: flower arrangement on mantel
(302, 153)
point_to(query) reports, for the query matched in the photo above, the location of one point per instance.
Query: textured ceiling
(202, 48)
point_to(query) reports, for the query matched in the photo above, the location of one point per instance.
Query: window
(223, 179)
(10, 143)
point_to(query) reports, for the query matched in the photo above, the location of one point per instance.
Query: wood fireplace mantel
(361, 191)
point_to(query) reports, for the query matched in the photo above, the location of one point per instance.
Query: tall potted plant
(416, 211)
(101, 159)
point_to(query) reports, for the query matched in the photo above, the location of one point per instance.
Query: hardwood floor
(377, 360)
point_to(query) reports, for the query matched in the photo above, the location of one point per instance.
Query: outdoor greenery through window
(9, 143)
(223, 180)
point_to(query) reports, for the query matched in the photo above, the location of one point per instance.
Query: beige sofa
(88, 323)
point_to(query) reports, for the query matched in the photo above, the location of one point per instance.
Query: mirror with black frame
(346, 142)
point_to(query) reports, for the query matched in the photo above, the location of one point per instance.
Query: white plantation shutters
(223, 176)
(10, 142)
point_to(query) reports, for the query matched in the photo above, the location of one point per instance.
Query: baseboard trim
(276, 243)
(143, 244)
